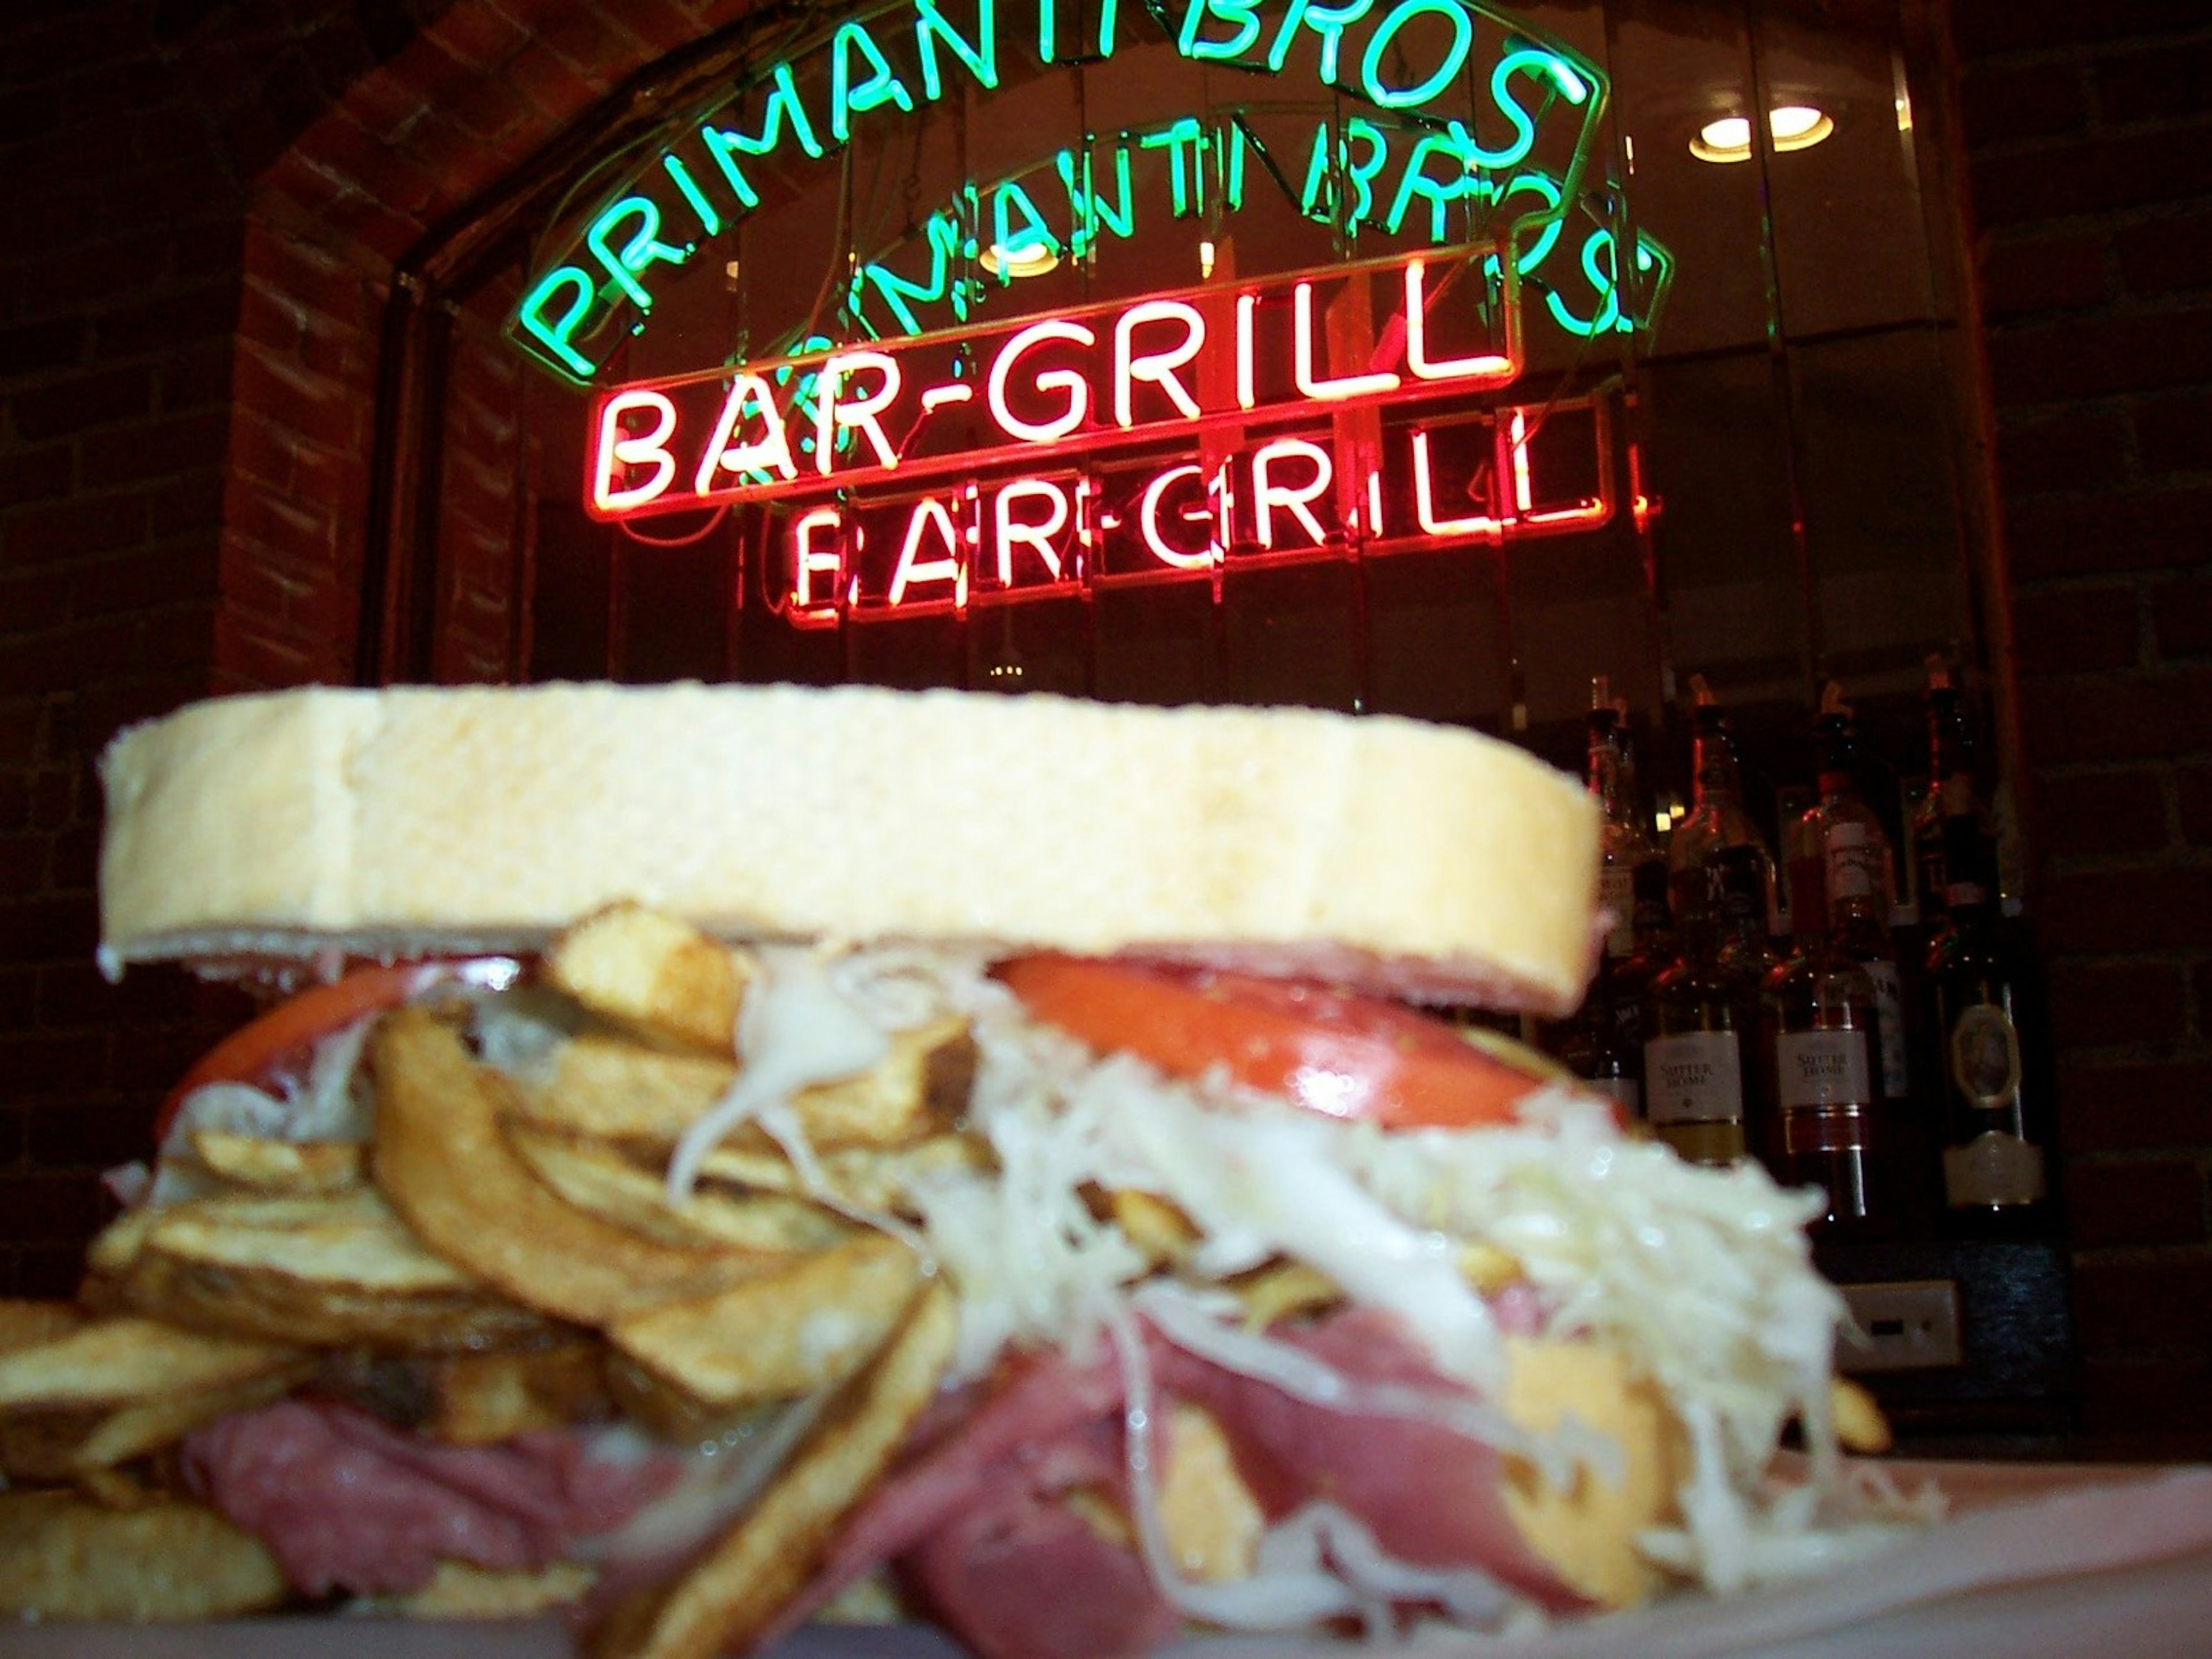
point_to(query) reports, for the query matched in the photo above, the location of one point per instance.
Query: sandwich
(715, 1157)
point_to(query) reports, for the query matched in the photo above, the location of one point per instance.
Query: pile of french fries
(501, 1257)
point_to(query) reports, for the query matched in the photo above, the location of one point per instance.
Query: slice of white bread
(1412, 859)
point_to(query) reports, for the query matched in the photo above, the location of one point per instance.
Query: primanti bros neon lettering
(1158, 439)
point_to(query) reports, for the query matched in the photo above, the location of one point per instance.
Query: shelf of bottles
(1857, 1015)
(1854, 1008)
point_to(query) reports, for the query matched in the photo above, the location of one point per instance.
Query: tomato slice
(1346, 1056)
(291, 1029)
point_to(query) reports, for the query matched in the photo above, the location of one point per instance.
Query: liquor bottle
(1717, 818)
(1950, 791)
(1830, 1129)
(1859, 885)
(1592, 1047)
(1990, 1029)
(1705, 1022)
(1623, 842)
(1654, 948)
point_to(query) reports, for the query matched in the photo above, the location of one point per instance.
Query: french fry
(662, 1408)
(334, 1269)
(116, 1489)
(805, 1327)
(653, 974)
(873, 1177)
(279, 1166)
(449, 1170)
(1859, 1422)
(458, 1590)
(596, 1176)
(1282, 1289)
(119, 1361)
(150, 1424)
(67, 1557)
(607, 1087)
(1155, 1226)
(731, 1596)
(25, 1324)
(477, 1399)
(38, 1444)
(115, 1247)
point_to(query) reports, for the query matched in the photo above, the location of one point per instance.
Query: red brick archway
(328, 228)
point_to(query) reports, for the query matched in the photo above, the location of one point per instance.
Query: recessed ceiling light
(1799, 126)
(1792, 126)
(1030, 259)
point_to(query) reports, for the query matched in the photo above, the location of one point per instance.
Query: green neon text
(1406, 59)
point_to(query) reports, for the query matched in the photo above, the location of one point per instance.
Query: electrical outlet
(1903, 1326)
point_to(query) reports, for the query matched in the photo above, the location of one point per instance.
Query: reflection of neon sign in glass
(1390, 176)
(1490, 92)
(1250, 356)
(1048, 531)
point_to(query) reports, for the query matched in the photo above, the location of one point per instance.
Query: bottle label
(1628, 1023)
(1695, 1077)
(1993, 1168)
(1815, 1132)
(1889, 1026)
(1822, 1069)
(1984, 1057)
(1855, 862)
(1616, 888)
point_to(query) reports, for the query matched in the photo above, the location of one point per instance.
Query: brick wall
(2088, 131)
(119, 290)
(209, 197)
(206, 199)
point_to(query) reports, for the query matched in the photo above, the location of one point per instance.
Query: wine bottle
(1704, 1022)
(1860, 885)
(1717, 818)
(1593, 1047)
(1623, 840)
(1988, 1023)
(1654, 948)
(1830, 1129)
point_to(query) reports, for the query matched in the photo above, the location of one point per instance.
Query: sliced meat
(1429, 1494)
(975, 1523)
(1019, 1574)
(347, 1502)
(953, 1459)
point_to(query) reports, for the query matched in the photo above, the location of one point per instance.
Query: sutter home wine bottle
(1988, 1030)
(1861, 885)
(1705, 1022)
(1829, 1128)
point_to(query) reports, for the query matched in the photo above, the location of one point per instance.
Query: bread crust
(1411, 858)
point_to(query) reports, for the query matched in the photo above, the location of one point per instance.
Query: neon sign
(1162, 439)
(1069, 204)
(1485, 94)
(1137, 520)
(1253, 356)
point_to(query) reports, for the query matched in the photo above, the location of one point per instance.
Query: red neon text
(1153, 518)
(1016, 394)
